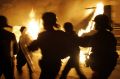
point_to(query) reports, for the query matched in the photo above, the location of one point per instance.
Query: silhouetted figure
(74, 56)
(52, 44)
(23, 56)
(104, 56)
(8, 48)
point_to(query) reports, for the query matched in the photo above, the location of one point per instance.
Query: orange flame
(99, 10)
(34, 25)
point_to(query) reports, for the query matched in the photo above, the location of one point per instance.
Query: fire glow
(99, 10)
(35, 26)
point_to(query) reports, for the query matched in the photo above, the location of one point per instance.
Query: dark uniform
(53, 44)
(21, 55)
(73, 62)
(103, 58)
(6, 60)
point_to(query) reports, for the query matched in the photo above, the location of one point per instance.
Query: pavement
(71, 75)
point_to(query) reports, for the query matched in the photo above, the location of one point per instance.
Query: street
(71, 75)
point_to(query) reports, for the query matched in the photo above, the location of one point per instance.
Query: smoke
(17, 11)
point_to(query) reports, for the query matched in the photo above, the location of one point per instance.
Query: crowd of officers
(56, 45)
